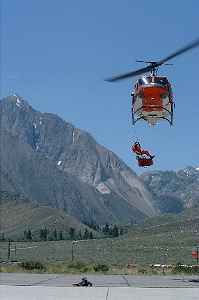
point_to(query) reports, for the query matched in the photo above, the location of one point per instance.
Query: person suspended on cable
(137, 149)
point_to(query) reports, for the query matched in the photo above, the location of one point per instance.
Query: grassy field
(114, 252)
(165, 239)
(162, 240)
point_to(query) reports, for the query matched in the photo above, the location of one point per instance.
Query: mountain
(180, 189)
(48, 160)
(32, 176)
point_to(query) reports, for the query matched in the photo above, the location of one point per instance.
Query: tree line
(45, 234)
(111, 231)
(57, 235)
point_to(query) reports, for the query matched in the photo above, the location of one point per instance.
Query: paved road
(107, 287)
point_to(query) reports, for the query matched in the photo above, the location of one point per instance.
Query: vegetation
(24, 220)
(161, 240)
(184, 269)
(81, 268)
(61, 243)
(92, 224)
(33, 265)
(101, 268)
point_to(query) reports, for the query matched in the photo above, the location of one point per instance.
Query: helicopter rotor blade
(130, 74)
(184, 49)
(153, 64)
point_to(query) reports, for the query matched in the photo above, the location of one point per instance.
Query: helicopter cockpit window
(160, 80)
(145, 80)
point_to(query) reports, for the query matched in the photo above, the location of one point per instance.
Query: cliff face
(58, 155)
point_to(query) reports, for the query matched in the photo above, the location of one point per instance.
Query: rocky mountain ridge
(33, 176)
(64, 167)
(71, 152)
(183, 185)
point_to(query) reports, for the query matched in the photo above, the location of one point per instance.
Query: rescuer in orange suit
(137, 149)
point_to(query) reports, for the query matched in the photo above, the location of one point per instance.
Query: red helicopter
(152, 99)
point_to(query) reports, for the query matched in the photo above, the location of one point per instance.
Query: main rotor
(153, 66)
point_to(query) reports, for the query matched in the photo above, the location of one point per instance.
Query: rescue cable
(135, 133)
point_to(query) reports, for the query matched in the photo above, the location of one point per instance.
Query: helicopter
(152, 99)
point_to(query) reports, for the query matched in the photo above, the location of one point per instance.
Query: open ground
(107, 287)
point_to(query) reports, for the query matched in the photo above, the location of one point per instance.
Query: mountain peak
(16, 98)
(66, 150)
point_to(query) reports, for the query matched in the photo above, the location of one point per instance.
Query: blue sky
(56, 53)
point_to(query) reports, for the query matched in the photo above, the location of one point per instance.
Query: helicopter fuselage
(152, 100)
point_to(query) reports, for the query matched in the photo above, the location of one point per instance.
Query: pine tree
(43, 234)
(55, 234)
(115, 231)
(61, 235)
(29, 235)
(86, 234)
(106, 228)
(72, 232)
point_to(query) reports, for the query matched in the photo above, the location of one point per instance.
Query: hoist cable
(135, 133)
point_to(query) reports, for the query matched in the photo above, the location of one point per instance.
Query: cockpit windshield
(148, 80)
(160, 80)
(145, 80)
